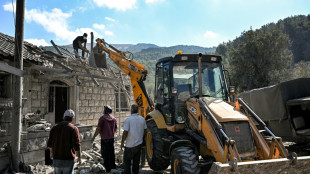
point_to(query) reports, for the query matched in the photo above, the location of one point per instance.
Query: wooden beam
(11, 69)
(58, 73)
(56, 47)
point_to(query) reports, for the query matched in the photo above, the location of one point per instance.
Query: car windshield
(185, 79)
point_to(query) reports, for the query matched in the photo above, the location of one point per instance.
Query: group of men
(64, 141)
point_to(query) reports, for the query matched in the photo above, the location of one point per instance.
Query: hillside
(274, 53)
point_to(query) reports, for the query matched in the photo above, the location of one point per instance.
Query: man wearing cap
(134, 130)
(107, 126)
(64, 144)
(77, 44)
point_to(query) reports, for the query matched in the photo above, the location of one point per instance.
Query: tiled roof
(30, 51)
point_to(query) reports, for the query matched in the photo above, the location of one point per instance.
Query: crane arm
(135, 71)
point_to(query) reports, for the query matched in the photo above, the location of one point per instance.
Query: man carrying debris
(77, 44)
(134, 129)
(107, 126)
(64, 144)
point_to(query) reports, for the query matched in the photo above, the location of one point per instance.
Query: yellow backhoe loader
(196, 125)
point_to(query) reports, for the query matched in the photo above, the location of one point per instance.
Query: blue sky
(162, 22)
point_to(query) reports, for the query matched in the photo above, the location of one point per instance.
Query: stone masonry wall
(92, 101)
(36, 90)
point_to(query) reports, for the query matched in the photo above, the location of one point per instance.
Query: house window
(6, 85)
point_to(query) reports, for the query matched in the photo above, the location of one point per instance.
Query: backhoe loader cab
(177, 79)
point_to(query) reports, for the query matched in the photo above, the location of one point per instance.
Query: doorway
(58, 99)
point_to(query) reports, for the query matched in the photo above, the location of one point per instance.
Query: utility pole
(18, 84)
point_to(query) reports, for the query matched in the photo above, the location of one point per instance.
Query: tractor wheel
(184, 161)
(155, 147)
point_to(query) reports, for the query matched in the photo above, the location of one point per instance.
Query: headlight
(179, 119)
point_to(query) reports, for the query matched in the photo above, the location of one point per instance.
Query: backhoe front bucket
(98, 60)
(273, 166)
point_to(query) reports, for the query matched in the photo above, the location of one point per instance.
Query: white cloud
(99, 26)
(121, 5)
(38, 42)
(53, 22)
(110, 19)
(210, 34)
(211, 39)
(56, 22)
(153, 1)
(82, 9)
(109, 33)
(9, 7)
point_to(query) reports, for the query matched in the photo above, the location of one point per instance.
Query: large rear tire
(184, 161)
(155, 147)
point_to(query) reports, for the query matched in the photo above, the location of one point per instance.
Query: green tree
(262, 58)
(301, 69)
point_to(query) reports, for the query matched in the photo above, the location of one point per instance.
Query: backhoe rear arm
(137, 75)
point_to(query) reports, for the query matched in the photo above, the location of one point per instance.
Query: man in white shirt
(134, 129)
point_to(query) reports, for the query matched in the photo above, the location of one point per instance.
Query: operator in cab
(77, 44)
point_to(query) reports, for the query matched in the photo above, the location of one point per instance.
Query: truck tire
(155, 147)
(184, 161)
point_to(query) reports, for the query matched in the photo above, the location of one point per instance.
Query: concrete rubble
(34, 122)
(92, 161)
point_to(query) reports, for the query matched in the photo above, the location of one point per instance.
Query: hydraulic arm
(136, 72)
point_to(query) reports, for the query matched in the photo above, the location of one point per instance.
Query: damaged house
(52, 83)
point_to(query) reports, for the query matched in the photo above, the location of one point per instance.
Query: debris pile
(34, 122)
(92, 161)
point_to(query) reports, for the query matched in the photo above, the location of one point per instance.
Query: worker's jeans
(108, 154)
(76, 53)
(132, 153)
(63, 166)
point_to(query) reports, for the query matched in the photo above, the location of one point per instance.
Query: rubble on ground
(34, 122)
(39, 127)
(92, 161)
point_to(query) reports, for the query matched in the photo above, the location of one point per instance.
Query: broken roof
(30, 51)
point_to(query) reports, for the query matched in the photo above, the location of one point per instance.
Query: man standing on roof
(77, 44)
(107, 126)
(64, 144)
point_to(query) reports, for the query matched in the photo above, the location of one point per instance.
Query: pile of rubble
(92, 161)
(34, 122)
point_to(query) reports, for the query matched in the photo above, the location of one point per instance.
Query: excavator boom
(137, 74)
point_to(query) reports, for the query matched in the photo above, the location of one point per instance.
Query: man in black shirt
(64, 144)
(77, 44)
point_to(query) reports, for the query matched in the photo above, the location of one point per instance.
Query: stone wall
(92, 100)
(36, 91)
(89, 102)
(34, 144)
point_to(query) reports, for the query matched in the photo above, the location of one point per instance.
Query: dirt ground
(92, 160)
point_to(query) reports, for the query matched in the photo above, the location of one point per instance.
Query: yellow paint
(175, 165)
(149, 148)
(159, 119)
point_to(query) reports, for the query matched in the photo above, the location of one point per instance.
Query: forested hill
(298, 30)
(274, 53)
